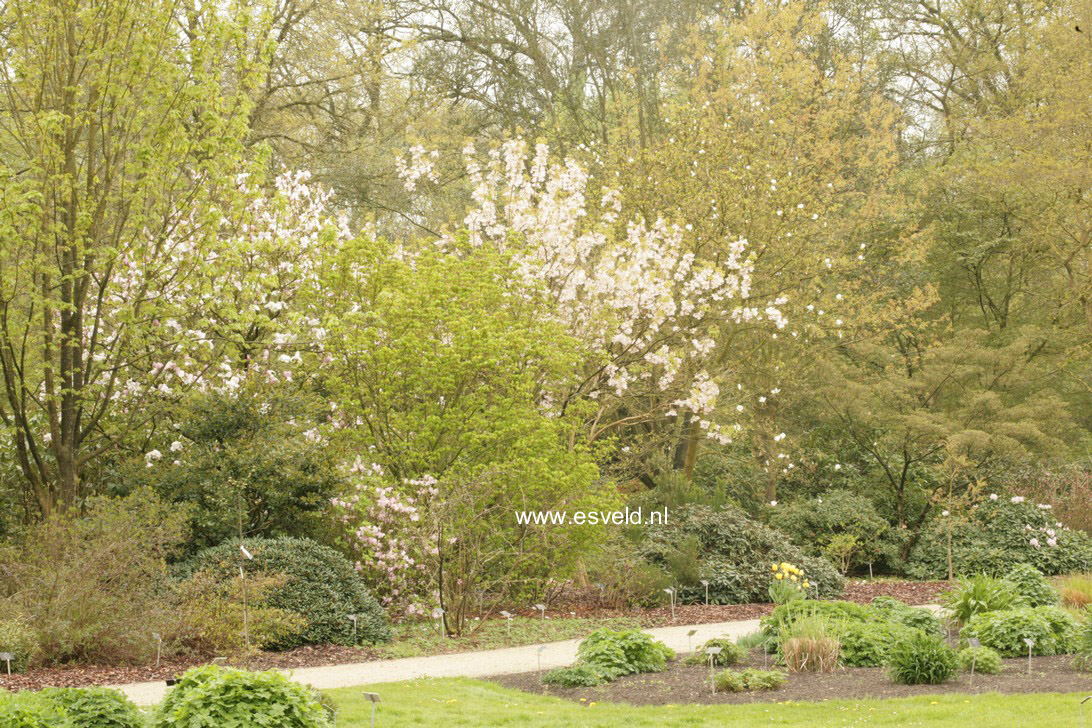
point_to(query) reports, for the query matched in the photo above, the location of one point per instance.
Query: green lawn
(417, 639)
(459, 702)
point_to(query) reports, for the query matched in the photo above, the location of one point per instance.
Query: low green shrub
(209, 617)
(979, 594)
(921, 659)
(623, 652)
(580, 675)
(1082, 646)
(606, 654)
(749, 679)
(320, 585)
(95, 707)
(215, 696)
(892, 610)
(31, 710)
(19, 639)
(91, 587)
(1030, 584)
(842, 526)
(868, 644)
(1054, 631)
(731, 653)
(983, 659)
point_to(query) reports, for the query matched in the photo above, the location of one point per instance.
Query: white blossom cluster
(632, 290)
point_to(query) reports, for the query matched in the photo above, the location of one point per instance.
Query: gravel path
(469, 664)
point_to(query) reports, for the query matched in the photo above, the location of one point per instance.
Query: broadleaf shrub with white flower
(996, 534)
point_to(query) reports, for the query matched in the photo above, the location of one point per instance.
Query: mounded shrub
(983, 659)
(730, 653)
(734, 554)
(749, 679)
(1030, 583)
(921, 659)
(892, 610)
(606, 654)
(580, 675)
(216, 696)
(843, 527)
(998, 534)
(623, 652)
(91, 587)
(31, 710)
(320, 585)
(868, 644)
(1054, 631)
(95, 707)
(19, 639)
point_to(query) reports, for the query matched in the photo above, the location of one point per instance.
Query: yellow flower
(779, 576)
(773, 567)
(806, 584)
(785, 565)
(793, 577)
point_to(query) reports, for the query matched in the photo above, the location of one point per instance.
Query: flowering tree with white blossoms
(138, 259)
(650, 314)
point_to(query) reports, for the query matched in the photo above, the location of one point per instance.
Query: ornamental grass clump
(921, 659)
(812, 644)
(789, 583)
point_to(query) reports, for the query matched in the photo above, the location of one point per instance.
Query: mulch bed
(587, 602)
(73, 676)
(690, 684)
(573, 601)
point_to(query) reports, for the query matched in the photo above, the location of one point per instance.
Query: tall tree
(120, 138)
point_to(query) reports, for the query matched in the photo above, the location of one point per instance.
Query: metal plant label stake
(372, 698)
(689, 637)
(712, 652)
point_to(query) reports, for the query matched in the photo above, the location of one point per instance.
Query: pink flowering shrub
(383, 530)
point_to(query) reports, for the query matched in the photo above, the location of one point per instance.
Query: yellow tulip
(779, 576)
(793, 577)
(773, 567)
